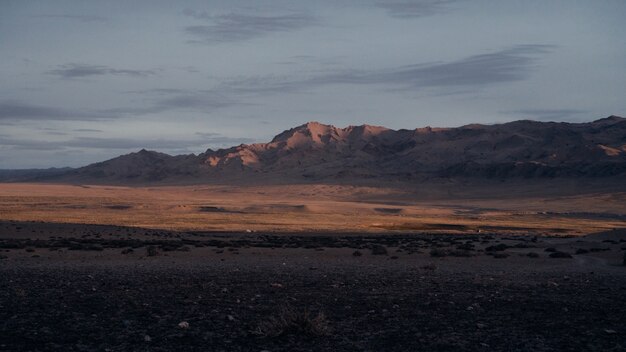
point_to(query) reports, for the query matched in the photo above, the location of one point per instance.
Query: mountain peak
(610, 119)
(317, 151)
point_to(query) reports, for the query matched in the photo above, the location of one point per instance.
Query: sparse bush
(466, 246)
(151, 251)
(581, 251)
(357, 253)
(461, 253)
(500, 255)
(551, 249)
(497, 248)
(532, 255)
(291, 321)
(558, 254)
(378, 249)
(438, 252)
(127, 251)
(430, 267)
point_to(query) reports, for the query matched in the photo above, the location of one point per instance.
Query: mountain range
(317, 152)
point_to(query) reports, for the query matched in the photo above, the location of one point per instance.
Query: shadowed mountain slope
(314, 151)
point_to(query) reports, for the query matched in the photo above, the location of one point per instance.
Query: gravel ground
(242, 294)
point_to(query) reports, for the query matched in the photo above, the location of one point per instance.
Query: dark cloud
(548, 114)
(80, 18)
(74, 70)
(238, 27)
(160, 100)
(166, 99)
(508, 65)
(15, 110)
(415, 8)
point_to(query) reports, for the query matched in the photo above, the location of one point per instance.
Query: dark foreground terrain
(104, 288)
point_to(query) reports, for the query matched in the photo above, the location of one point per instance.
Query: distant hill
(32, 174)
(318, 152)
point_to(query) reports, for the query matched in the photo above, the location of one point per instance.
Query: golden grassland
(317, 208)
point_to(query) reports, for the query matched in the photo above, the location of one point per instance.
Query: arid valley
(304, 176)
(447, 266)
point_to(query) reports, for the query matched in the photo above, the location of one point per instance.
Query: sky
(84, 81)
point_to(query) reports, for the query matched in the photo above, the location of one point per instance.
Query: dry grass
(308, 208)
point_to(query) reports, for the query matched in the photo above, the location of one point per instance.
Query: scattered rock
(183, 325)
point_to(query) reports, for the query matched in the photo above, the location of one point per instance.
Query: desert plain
(445, 266)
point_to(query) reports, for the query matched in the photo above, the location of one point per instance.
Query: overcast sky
(83, 81)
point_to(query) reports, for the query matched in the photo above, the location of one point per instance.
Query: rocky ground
(106, 288)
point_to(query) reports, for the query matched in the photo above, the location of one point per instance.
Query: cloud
(198, 141)
(161, 100)
(17, 111)
(238, 27)
(80, 18)
(168, 99)
(87, 130)
(218, 139)
(548, 114)
(507, 65)
(513, 64)
(415, 8)
(74, 70)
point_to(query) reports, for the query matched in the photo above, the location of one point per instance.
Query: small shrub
(466, 246)
(558, 254)
(497, 248)
(127, 251)
(551, 249)
(532, 255)
(357, 253)
(500, 255)
(460, 253)
(438, 252)
(151, 251)
(581, 251)
(291, 321)
(378, 249)
(430, 267)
